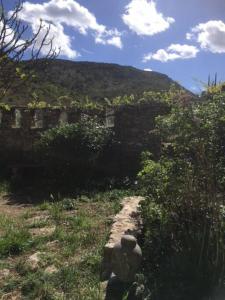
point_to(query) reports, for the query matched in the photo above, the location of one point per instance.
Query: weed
(68, 204)
(56, 212)
(37, 286)
(44, 205)
(9, 286)
(80, 222)
(67, 278)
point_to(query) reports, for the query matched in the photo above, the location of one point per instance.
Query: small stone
(45, 231)
(52, 244)
(51, 269)
(16, 295)
(37, 219)
(4, 273)
(34, 260)
(103, 288)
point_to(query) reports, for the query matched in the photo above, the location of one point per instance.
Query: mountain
(56, 78)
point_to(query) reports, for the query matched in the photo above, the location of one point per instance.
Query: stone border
(127, 221)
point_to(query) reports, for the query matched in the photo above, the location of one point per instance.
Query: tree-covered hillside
(57, 78)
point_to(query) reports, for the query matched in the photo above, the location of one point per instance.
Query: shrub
(184, 211)
(71, 151)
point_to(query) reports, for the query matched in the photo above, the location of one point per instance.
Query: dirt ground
(13, 206)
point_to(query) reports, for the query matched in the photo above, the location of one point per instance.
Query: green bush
(85, 138)
(71, 152)
(184, 212)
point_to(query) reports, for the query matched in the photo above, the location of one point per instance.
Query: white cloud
(8, 37)
(210, 36)
(68, 12)
(61, 13)
(109, 37)
(60, 41)
(115, 41)
(148, 70)
(142, 17)
(174, 51)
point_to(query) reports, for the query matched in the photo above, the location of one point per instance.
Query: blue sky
(183, 39)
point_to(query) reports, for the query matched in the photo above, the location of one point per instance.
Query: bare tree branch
(14, 45)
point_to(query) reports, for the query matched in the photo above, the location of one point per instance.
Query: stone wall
(134, 122)
(134, 125)
(21, 127)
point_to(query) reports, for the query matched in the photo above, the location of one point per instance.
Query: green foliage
(21, 74)
(15, 238)
(38, 105)
(123, 100)
(86, 103)
(183, 214)
(4, 106)
(68, 204)
(4, 187)
(64, 101)
(148, 96)
(71, 151)
(85, 138)
(167, 96)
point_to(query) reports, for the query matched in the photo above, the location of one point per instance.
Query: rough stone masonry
(127, 221)
(132, 125)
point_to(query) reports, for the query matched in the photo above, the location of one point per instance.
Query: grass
(74, 248)
(4, 187)
(15, 237)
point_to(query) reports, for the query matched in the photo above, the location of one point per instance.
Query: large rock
(126, 258)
